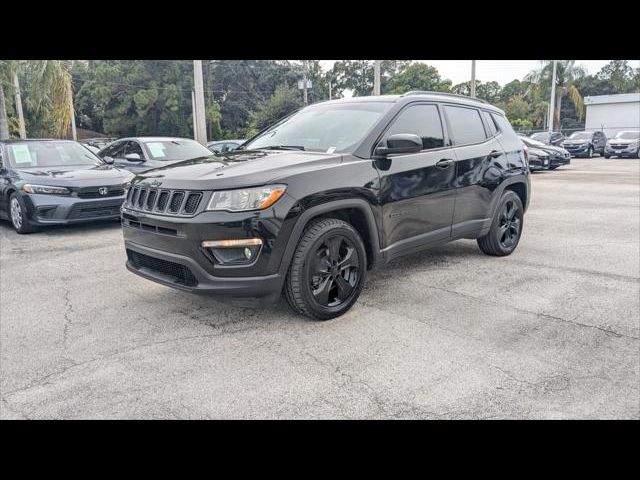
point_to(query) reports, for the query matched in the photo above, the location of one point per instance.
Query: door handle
(444, 163)
(495, 154)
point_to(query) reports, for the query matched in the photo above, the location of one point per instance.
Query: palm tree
(567, 72)
(48, 91)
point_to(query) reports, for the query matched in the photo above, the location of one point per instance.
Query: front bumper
(63, 210)
(576, 151)
(538, 163)
(184, 273)
(162, 238)
(627, 151)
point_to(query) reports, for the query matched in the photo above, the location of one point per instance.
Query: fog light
(233, 252)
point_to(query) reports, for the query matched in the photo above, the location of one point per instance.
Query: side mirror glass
(133, 157)
(398, 144)
(108, 160)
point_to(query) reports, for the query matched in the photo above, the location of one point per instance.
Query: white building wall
(613, 117)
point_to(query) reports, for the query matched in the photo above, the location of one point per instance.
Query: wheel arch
(355, 211)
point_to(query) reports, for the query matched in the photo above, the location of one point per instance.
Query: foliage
(134, 97)
(283, 101)
(418, 76)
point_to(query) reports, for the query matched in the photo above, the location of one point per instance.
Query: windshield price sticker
(21, 153)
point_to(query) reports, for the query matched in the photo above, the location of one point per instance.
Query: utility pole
(306, 98)
(193, 113)
(473, 78)
(376, 77)
(16, 86)
(552, 103)
(73, 117)
(199, 117)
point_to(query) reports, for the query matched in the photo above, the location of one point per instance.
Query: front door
(416, 190)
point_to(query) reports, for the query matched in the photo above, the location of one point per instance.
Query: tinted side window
(466, 125)
(421, 120)
(502, 123)
(115, 150)
(489, 123)
(134, 147)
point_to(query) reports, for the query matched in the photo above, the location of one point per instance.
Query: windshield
(49, 154)
(179, 149)
(323, 127)
(628, 135)
(541, 136)
(581, 136)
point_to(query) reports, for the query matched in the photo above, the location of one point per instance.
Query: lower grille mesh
(179, 273)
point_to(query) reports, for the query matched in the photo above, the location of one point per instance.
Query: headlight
(257, 198)
(45, 189)
(635, 144)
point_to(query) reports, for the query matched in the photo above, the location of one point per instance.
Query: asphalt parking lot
(553, 331)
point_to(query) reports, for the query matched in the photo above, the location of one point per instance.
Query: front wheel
(590, 152)
(607, 156)
(506, 228)
(18, 214)
(327, 271)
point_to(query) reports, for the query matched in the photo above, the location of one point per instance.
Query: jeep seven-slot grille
(180, 274)
(168, 202)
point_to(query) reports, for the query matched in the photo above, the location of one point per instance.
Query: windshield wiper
(282, 147)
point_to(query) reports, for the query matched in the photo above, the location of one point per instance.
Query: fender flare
(313, 212)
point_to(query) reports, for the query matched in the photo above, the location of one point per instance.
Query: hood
(575, 141)
(552, 148)
(537, 152)
(236, 169)
(75, 175)
(623, 141)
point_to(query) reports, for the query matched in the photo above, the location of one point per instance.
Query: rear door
(416, 189)
(481, 164)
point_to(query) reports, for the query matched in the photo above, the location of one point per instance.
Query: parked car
(98, 143)
(548, 138)
(585, 144)
(538, 159)
(47, 182)
(624, 144)
(223, 146)
(558, 156)
(139, 154)
(91, 148)
(310, 204)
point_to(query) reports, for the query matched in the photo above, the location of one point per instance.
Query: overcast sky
(502, 71)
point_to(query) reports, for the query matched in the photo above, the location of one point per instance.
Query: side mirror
(399, 143)
(108, 160)
(133, 157)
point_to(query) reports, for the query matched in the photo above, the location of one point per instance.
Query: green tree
(418, 76)
(357, 75)
(618, 74)
(284, 101)
(567, 76)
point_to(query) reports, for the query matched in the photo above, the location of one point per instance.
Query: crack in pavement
(540, 315)
(42, 381)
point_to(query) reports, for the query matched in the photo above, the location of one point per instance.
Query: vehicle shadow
(71, 229)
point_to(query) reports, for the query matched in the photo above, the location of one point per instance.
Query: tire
(607, 156)
(554, 167)
(590, 152)
(501, 240)
(331, 257)
(18, 215)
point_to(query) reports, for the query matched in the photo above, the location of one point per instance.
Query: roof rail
(427, 92)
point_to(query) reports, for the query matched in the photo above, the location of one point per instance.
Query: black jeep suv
(308, 205)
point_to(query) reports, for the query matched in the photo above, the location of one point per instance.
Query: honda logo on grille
(103, 190)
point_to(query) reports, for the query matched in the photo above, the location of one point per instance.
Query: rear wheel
(327, 271)
(506, 228)
(18, 215)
